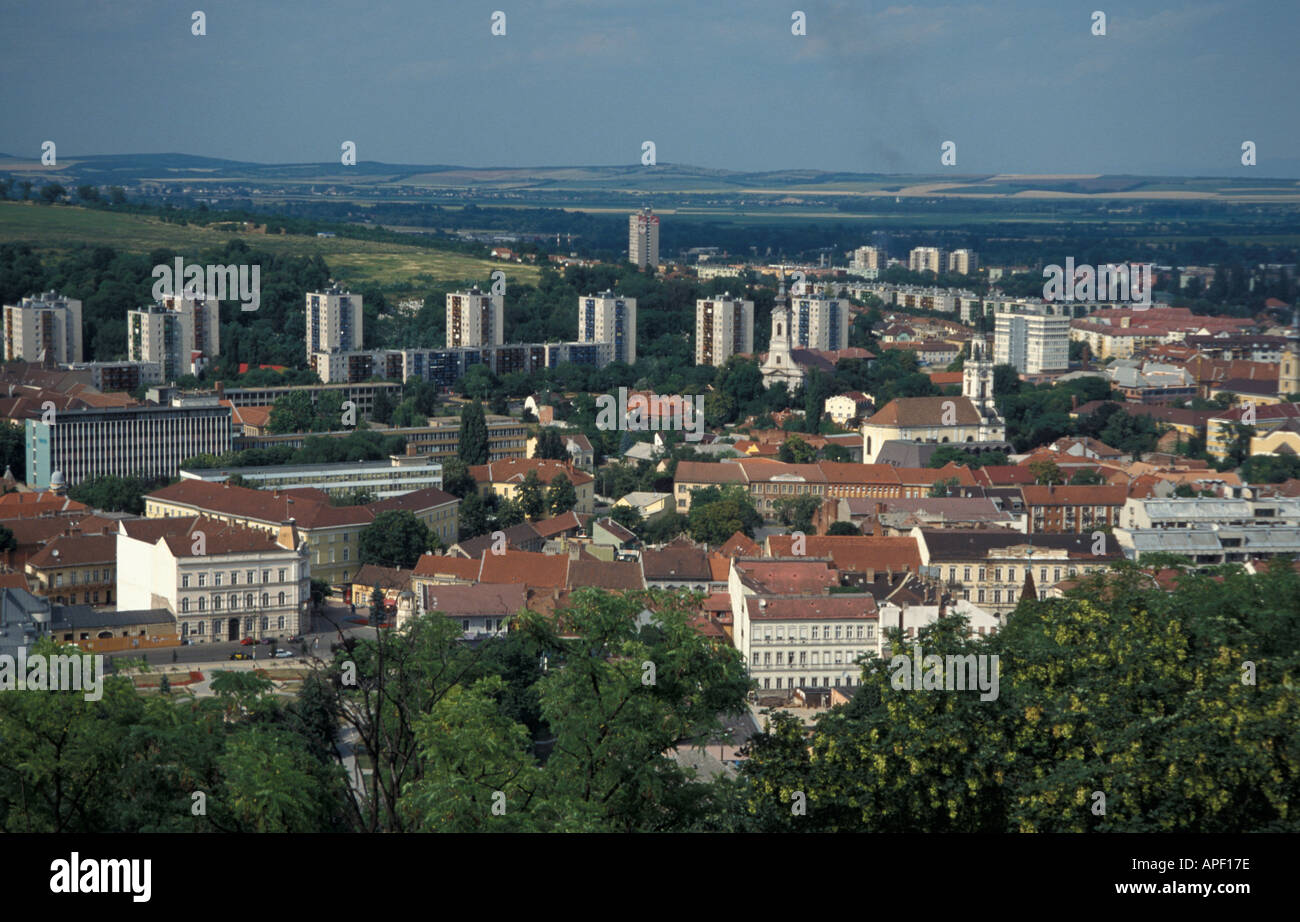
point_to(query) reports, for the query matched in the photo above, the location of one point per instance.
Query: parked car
(296, 638)
(267, 641)
(247, 641)
(281, 654)
(239, 655)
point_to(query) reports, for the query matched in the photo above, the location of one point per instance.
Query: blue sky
(1020, 85)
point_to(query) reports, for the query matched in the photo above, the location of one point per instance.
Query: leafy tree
(944, 487)
(396, 538)
(843, 528)
(529, 495)
(382, 411)
(1086, 477)
(473, 518)
(473, 448)
(550, 444)
(114, 494)
(627, 516)
(1046, 472)
(561, 497)
(7, 540)
(795, 450)
(797, 511)
(456, 478)
(377, 606)
(716, 514)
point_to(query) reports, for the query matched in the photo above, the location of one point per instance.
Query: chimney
(287, 536)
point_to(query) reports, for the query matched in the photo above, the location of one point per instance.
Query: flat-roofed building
(43, 328)
(724, 326)
(334, 321)
(475, 318)
(392, 477)
(609, 318)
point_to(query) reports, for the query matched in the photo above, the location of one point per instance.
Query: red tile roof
(525, 568)
(855, 554)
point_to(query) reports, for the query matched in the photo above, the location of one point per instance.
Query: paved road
(325, 630)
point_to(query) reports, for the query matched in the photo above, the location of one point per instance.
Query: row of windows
(826, 682)
(219, 626)
(249, 576)
(91, 577)
(1011, 574)
(233, 601)
(823, 632)
(787, 659)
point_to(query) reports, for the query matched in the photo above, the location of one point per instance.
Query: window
(997, 574)
(248, 577)
(871, 631)
(780, 633)
(859, 632)
(952, 574)
(814, 637)
(202, 625)
(282, 572)
(234, 577)
(280, 623)
(266, 622)
(465, 625)
(981, 595)
(816, 659)
(72, 578)
(803, 658)
(997, 596)
(837, 632)
(216, 603)
(983, 574)
(248, 600)
(965, 574)
(248, 625)
(202, 603)
(281, 602)
(346, 554)
(203, 580)
(185, 604)
(185, 581)
(216, 628)
(266, 600)
(216, 579)
(266, 576)
(234, 600)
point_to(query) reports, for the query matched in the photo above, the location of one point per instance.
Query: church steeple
(977, 377)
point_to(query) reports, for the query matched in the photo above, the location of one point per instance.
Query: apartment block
(475, 318)
(178, 333)
(43, 328)
(1035, 339)
(963, 262)
(1077, 509)
(869, 258)
(819, 323)
(144, 441)
(724, 326)
(334, 321)
(609, 318)
(926, 259)
(120, 376)
(643, 238)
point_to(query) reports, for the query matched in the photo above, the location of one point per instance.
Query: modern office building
(334, 321)
(43, 328)
(724, 326)
(609, 318)
(643, 238)
(143, 441)
(180, 334)
(1034, 338)
(394, 476)
(475, 318)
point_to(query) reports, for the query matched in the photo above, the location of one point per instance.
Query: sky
(1019, 86)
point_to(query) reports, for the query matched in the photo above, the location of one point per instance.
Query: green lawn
(354, 261)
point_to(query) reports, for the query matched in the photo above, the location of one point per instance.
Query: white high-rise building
(819, 323)
(1034, 338)
(926, 259)
(963, 262)
(43, 328)
(724, 326)
(643, 238)
(869, 258)
(334, 321)
(475, 318)
(179, 333)
(609, 318)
